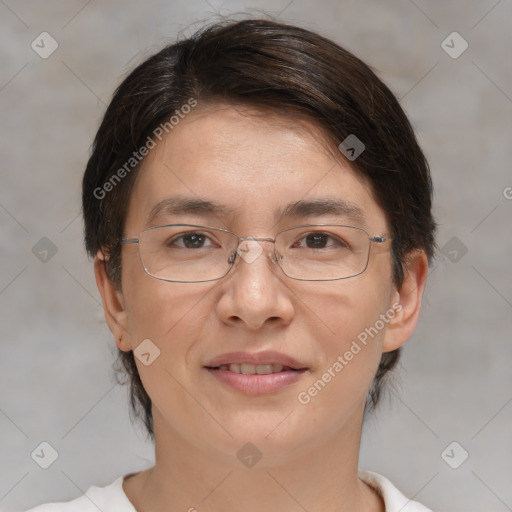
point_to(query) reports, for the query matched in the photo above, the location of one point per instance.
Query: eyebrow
(180, 205)
(302, 208)
(317, 207)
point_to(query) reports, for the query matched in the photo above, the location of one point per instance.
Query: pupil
(316, 240)
(193, 241)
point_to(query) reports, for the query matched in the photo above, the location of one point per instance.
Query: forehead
(249, 168)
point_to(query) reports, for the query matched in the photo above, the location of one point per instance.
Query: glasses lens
(323, 253)
(186, 253)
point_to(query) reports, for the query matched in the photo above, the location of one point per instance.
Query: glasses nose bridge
(256, 239)
(249, 258)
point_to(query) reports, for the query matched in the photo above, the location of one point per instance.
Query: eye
(319, 240)
(192, 240)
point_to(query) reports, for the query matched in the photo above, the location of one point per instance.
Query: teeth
(253, 369)
(264, 369)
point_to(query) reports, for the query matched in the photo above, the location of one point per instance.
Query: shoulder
(394, 500)
(111, 497)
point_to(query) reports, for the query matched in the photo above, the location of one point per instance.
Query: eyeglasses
(188, 253)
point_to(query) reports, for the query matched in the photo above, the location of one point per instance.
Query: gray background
(56, 384)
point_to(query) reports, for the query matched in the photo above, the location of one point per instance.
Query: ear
(113, 304)
(406, 301)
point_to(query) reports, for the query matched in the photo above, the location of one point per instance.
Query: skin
(254, 164)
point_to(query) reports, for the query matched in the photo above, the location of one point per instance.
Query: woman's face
(253, 167)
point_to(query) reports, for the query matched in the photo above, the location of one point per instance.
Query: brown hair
(266, 65)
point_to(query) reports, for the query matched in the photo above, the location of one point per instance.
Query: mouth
(255, 369)
(255, 374)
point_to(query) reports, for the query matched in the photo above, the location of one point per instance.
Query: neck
(320, 477)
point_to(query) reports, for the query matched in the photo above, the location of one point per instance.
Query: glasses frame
(276, 257)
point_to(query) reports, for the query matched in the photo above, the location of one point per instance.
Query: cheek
(162, 311)
(349, 321)
(171, 316)
(342, 310)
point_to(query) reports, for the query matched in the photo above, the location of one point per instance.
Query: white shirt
(112, 498)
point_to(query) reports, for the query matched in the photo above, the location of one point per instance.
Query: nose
(254, 293)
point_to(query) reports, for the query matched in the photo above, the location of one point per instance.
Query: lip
(265, 357)
(256, 384)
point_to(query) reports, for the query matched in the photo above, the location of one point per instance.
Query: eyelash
(303, 237)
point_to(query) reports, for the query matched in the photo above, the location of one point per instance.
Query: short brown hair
(267, 65)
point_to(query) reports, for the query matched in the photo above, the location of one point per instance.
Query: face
(253, 166)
